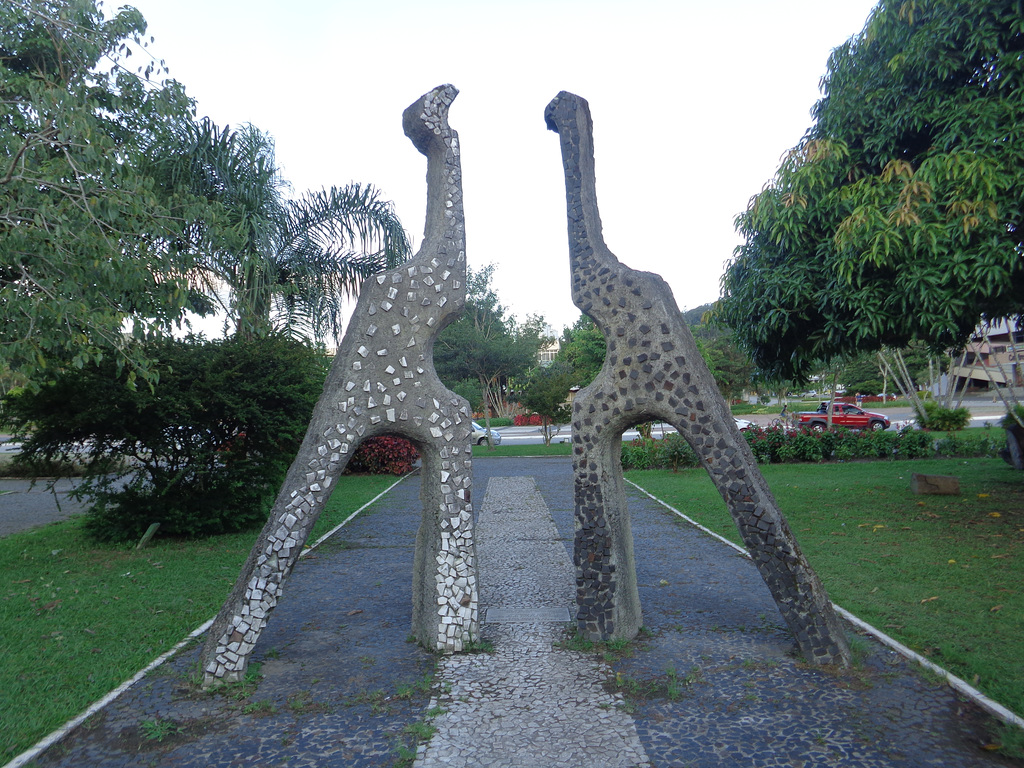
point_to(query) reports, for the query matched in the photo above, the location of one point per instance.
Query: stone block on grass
(935, 485)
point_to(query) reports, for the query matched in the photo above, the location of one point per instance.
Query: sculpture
(382, 381)
(653, 370)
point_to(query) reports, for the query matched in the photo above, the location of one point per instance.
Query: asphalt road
(983, 411)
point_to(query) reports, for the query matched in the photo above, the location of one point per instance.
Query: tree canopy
(583, 350)
(898, 216)
(546, 393)
(486, 343)
(87, 243)
(282, 260)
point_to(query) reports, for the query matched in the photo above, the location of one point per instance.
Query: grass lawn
(77, 618)
(555, 449)
(942, 574)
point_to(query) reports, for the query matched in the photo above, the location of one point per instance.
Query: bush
(527, 420)
(1009, 421)
(385, 455)
(497, 422)
(203, 452)
(939, 419)
(775, 445)
(676, 452)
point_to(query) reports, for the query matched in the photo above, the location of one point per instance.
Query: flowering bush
(527, 420)
(386, 455)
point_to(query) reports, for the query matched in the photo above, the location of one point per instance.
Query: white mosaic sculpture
(383, 381)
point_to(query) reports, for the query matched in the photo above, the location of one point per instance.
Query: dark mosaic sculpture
(653, 371)
(383, 381)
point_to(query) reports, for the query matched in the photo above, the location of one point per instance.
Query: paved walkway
(712, 683)
(527, 703)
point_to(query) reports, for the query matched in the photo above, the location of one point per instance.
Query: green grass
(77, 618)
(555, 449)
(942, 574)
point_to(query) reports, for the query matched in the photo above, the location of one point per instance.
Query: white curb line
(48, 741)
(992, 707)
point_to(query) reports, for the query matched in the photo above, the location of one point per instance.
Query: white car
(479, 436)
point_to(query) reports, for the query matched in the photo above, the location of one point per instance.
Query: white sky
(694, 104)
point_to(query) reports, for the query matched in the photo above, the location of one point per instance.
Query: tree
(87, 243)
(729, 364)
(582, 349)
(290, 260)
(486, 343)
(546, 394)
(863, 374)
(898, 216)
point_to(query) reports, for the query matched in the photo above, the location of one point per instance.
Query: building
(992, 356)
(547, 352)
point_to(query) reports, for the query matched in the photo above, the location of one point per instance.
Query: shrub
(774, 445)
(385, 455)
(913, 444)
(498, 422)
(202, 452)
(940, 419)
(676, 452)
(1009, 421)
(640, 454)
(527, 420)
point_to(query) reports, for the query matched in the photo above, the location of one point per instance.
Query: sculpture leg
(608, 601)
(445, 600)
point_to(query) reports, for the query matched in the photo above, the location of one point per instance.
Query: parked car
(479, 436)
(743, 424)
(843, 415)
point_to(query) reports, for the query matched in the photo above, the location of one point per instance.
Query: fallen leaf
(353, 613)
(995, 608)
(994, 514)
(951, 562)
(997, 557)
(991, 747)
(23, 581)
(929, 599)
(983, 495)
(50, 606)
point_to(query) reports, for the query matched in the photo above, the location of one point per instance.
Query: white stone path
(527, 703)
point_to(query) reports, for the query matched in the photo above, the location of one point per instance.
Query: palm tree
(288, 262)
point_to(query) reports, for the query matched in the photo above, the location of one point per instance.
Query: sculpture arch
(653, 370)
(382, 381)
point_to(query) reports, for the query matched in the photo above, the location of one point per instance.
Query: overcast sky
(693, 104)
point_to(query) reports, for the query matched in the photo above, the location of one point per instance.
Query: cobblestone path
(526, 702)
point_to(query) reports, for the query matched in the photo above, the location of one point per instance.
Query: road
(982, 409)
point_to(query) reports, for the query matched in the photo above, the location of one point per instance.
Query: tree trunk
(487, 410)
(1014, 453)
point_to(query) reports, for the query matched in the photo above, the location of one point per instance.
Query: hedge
(779, 445)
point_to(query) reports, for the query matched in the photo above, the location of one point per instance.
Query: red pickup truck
(843, 415)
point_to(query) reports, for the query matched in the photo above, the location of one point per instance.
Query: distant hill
(693, 319)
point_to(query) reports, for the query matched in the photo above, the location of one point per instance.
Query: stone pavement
(711, 683)
(526, 703)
